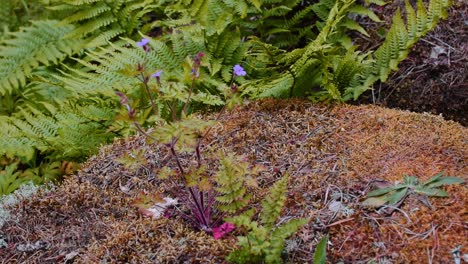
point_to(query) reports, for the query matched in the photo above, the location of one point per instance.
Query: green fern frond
(13, 143)
(264, 242)
(70, 134)
(400, 38)
(10, 179)
(231, 184)
(100, 21)
(87, 13)
(274, 202)
(40, 44)
(278, 239)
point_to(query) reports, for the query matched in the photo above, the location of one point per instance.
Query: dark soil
(434, 77)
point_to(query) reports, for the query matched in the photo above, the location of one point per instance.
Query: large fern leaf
(40, 44)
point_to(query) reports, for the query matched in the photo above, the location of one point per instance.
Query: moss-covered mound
(334, 154)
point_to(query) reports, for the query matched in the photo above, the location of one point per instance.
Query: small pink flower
(220, 231)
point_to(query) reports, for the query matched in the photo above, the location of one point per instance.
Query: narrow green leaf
(397, 196)
(320, 255)
(431, 192)
(434, 178)
(383, 191)
(444, 181)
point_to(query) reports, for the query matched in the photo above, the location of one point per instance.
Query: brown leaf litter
(334, 155)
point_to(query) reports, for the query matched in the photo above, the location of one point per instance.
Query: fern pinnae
(421, 18)
(14, 143)
(411, 22)
(231, 184)
(34, 45)
(274, 202)
(86, 13)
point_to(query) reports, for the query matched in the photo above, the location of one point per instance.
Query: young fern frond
(278, 239)
(231, 184)
(274, 202)
(265, 240)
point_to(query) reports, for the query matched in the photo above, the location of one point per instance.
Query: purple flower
(143, 42)
(220, 231)
(195, 73)
(157, 74)
(239, 71)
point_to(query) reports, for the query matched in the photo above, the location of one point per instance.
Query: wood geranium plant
(211, 192)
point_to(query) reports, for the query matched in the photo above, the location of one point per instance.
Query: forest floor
(335, 156)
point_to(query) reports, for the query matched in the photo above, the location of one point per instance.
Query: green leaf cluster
(12, 176)
(43, 121)
(393, 195)
(17, 13)
(329, 66)
(265, 240)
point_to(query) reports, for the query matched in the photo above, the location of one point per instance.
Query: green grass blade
(320, 255)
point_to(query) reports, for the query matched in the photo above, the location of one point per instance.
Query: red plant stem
(202, 202)
(140, 129)
(198, 153)
(200, 210)
(189, 96)
(198, 203)
(145, 84)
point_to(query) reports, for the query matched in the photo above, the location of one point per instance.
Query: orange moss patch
(387, 144)
(333, 154)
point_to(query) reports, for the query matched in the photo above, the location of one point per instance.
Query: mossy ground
(335, 154)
